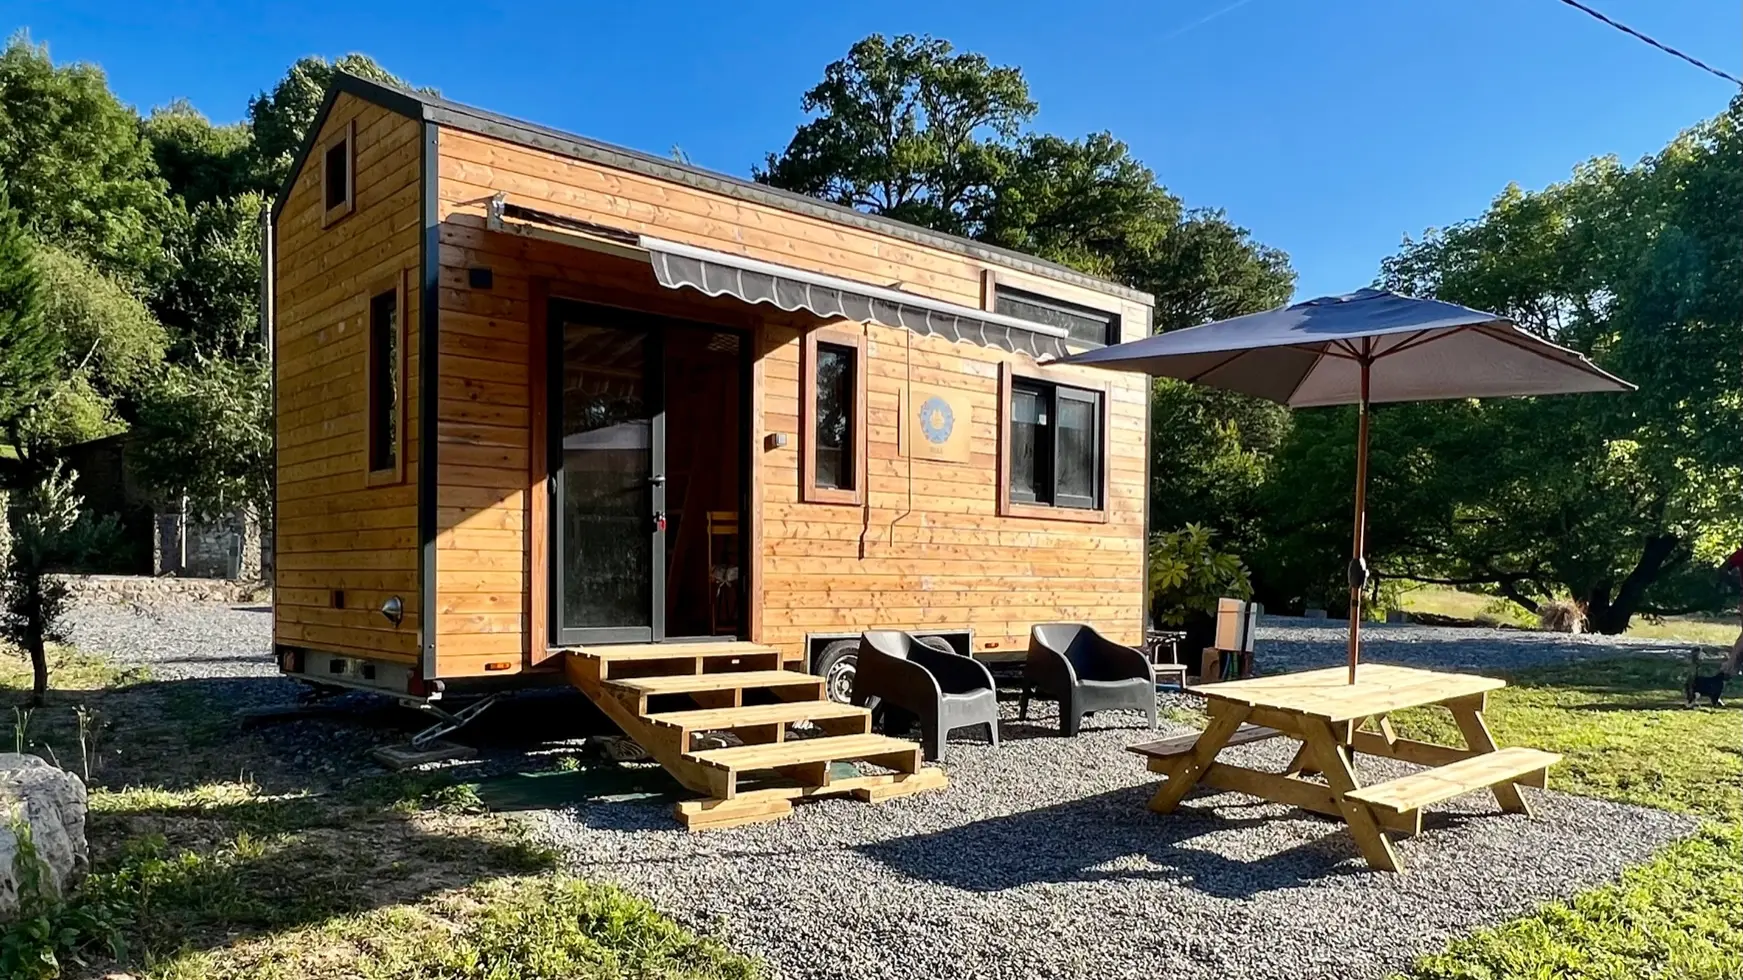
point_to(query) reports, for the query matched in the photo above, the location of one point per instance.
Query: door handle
(659, 520)
(657, 480)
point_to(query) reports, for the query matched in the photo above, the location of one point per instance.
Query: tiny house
(550, 410)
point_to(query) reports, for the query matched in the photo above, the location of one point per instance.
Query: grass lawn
(1624, 736)
(1718, 631)
(298, 878)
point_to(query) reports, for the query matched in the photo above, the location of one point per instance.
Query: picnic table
(1333, 719)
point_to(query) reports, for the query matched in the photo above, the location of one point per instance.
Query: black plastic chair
(1085, 672)
(942, 688)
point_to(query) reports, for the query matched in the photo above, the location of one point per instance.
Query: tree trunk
(1609, 614)
(39, 667)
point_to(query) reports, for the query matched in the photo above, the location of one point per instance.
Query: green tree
(210, 300)
(201, 162)
(49, 533)
(280, 119)
(76, 166)
(205, 432)
(107, 345)
(1624, 502)
(28, 350)
(907, 128)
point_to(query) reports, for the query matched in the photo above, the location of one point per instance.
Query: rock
(51, 802)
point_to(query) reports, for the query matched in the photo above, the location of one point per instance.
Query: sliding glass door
(607, 421)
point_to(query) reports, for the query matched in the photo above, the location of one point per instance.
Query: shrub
(1188, 575)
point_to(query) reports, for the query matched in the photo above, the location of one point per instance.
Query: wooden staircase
(666, 696)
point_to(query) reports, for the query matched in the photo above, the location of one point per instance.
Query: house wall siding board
(929, 549)
(336, 532)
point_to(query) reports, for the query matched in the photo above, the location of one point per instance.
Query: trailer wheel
(836, 665)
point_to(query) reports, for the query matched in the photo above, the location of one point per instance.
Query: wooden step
(892, 753)
(671, 651)
(728, 680)
(784, 713)
(1437, 785)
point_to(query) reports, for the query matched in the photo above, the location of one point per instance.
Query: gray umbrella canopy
(1312, 354)
(1369, 346)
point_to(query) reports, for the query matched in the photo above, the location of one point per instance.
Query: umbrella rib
(1416, 340)
(1237, 355)
(1318, 355)
(1573, 359)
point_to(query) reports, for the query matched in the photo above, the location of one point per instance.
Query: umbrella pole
(1358, 571)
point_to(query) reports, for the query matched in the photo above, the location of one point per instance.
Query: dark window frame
(1001, 289)
(382, 470)
(853, 342)
(344, 141)
(1052, 386)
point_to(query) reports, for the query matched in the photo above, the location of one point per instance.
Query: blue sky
(1330, 128)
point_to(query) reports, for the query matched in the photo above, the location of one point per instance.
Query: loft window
(1054, 440)
(386, 372)
(833, 417)
(1085, 325)
(339, 175)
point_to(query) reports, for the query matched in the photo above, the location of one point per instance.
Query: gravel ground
(1040, 859)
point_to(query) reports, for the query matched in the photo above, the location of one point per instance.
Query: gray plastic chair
(943, 688)
(1085, 672)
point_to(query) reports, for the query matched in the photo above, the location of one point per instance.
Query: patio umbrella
(1368, 347)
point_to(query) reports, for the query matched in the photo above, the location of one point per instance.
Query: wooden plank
(1327, 694)
(667, 651)
(785, 712)
(1182, 744)
(1328, 757)
(1431, 786)
(834, 748)
(726, 681)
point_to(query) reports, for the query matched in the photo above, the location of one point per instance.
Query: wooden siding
(935, 552)
(929, 549)
(335, 532)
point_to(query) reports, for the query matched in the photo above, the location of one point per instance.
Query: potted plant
(1187, 576)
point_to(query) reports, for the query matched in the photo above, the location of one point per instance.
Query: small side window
(339, 175)
(385, 374)
(833, 418)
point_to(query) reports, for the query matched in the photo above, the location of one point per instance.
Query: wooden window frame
(348, 137)
(396, 473)
(992, 282)
(1009, 373)
(809, 491)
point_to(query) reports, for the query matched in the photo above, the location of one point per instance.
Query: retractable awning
(680, 266)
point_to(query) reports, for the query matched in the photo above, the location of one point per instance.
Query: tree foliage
(76, 166)
(912, 130)
(906, 127)
(278, 120)
(205, 432)
(27, 348)
(1623, 502)
(50, 533)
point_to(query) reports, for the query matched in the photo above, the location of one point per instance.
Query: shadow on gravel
(1112, 836)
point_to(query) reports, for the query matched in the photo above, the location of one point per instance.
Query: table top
(1328, 693)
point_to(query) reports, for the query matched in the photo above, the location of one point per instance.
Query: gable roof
(433, 109)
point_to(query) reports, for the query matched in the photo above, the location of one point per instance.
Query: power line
(1667, 49)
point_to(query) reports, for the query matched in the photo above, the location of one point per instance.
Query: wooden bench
(1411, 793)
(1182, 744)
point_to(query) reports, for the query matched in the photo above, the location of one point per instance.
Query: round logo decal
(936, 420)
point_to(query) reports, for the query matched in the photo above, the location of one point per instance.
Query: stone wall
(228, 547)
(145, 589)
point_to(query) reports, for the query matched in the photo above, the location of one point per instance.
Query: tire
(937, 643)
(836, 665)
